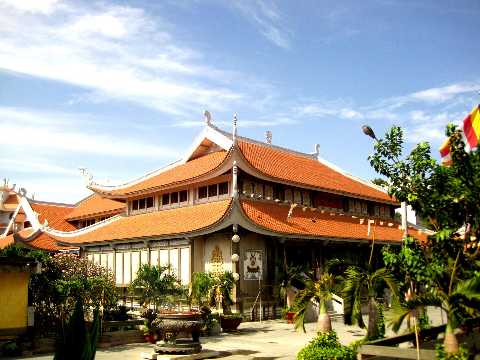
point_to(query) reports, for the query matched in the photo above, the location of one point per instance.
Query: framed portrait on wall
(253, 265)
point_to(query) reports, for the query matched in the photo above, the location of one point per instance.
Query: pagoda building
(231, 204)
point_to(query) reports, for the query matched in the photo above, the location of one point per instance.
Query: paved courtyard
(274, 339)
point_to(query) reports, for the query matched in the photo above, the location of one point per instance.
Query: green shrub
(325, 347)
(380, 322)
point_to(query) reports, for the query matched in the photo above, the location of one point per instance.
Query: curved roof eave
(245, 165)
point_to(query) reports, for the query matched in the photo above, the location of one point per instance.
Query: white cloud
(117, 52)
(31, 6)
(267, 17)
(37, 130)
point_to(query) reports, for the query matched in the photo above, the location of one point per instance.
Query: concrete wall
(13, 301)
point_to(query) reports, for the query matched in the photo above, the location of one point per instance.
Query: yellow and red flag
(471, 135)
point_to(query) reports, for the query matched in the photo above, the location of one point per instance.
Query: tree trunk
(450, 342)
(372, 331)
(324, 324)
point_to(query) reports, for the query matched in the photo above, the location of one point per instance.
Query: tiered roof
(258, 159)
(304, 170)
(171, 176)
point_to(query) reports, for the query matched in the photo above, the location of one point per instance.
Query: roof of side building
(54, 213)
(95, 205)
(180, 220)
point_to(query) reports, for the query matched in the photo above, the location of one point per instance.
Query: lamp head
(367, 130)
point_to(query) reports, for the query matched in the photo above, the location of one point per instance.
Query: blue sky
(119, 87)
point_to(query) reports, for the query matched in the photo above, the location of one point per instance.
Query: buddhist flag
(445, 152)
(471, 128)
(471, 135)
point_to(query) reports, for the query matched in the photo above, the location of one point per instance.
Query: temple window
(289, 195)
(143, 204)
(85, 223)
(223, 188)
(202, 192)
(183, 196)
(212, 192)
(269, 192)
(174, 199)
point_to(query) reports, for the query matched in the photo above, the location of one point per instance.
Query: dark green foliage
(326, 347)
(223, 285)
(75, 341)
(201, 287)
(445, 270)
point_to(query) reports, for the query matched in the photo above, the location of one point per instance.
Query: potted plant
(291, 276)
(149, 328)
(221, 294)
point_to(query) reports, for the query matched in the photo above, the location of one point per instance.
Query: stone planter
(230, 322)
(180, 333)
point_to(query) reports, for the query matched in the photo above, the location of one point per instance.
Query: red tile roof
(273, 217)
(159, 223)
(55, 215)
(302, 170)
(95, 205)
(36, 240)
(44, 241)
(173, 176)
(6, 241)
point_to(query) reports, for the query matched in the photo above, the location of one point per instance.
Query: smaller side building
(14, 279)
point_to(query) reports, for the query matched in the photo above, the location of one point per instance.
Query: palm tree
(463, 298)
(358, 282)
(321, 291)
(154, 284)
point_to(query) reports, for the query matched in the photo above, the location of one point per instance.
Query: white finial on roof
(234, 131)
(208, 117)
(268, 137)
(317, 151)
(86, 176)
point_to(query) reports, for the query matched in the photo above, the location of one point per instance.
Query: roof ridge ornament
(268, 137)
(86, 176)
(208, 117)
(234, 130)
(317, 150)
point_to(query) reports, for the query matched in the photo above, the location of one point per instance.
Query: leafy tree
(380, 182)
(445, 269)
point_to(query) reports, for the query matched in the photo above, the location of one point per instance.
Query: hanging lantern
(235, 257)
(236, 276)
(236, 238)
